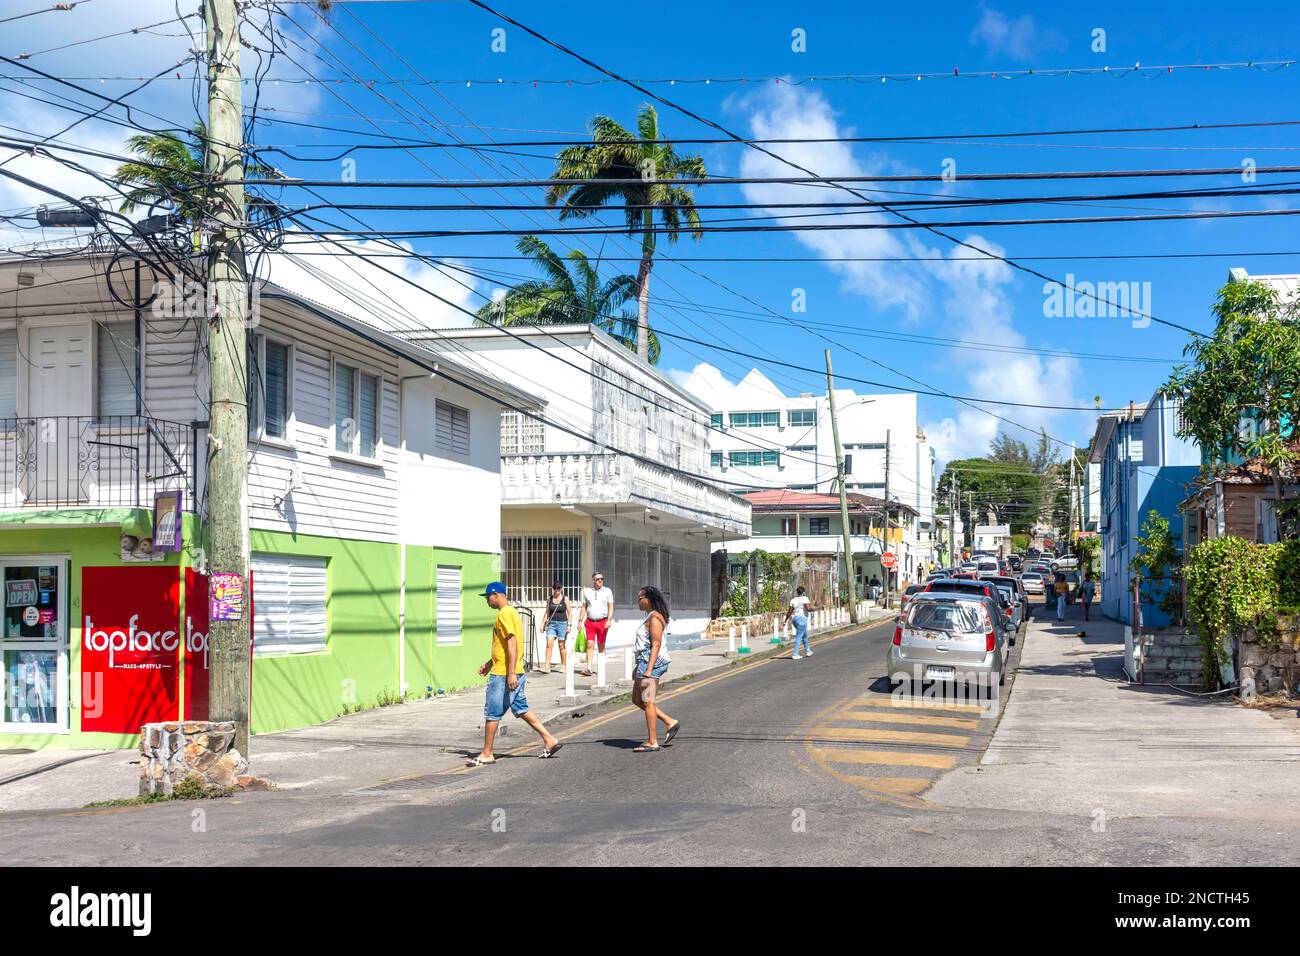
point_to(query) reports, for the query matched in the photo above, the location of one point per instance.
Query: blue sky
(977, 303)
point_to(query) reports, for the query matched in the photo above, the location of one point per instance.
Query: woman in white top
(652, 660)
(798, 610)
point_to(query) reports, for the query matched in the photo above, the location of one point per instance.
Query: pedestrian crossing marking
(889, 736)
(898, 785)
(891, 758)
(921, 720)
(913, 703)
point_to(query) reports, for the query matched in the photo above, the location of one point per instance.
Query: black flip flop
(550, 753)
(643, 749)
(672, 732)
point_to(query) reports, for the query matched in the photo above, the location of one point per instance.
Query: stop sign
(888, 560)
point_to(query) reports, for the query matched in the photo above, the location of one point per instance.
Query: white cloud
(1019, 37)
(789, 112)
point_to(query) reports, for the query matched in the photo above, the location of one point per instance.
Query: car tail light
(990, 638)
(898, 635)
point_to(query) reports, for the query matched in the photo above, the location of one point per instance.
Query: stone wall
(1271, 668)
(174, 751)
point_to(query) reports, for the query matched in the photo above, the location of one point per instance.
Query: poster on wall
(130, 647)
(166, 521)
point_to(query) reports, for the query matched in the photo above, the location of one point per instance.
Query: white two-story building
(374, 504)
(614, 479)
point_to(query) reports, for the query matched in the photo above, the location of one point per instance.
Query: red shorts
(596, 632)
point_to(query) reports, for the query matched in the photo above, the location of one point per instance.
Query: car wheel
(1002, 677)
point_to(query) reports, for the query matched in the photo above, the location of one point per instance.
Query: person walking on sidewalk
(505, 673)
(597, 614)
(1061, 587)
(652, 662)
(555, 625)
(1086, 592)
(874, 584)
(798, 610)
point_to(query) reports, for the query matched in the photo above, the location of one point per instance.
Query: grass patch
(191, 788)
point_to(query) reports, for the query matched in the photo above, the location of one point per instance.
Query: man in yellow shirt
(505, 673)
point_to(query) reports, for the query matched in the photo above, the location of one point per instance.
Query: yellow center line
(890, 758)
(921, 720)
(888, 736)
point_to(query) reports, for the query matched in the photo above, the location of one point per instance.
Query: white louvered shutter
(449, 598)
(289, 594)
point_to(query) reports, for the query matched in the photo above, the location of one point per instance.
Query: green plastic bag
(580, 645)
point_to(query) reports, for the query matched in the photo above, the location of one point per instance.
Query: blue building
(1144, 466)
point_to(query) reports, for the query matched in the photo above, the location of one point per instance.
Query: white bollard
(627, 664)
(568, 673)
(600, 669)
(744, 639)
(731, 641)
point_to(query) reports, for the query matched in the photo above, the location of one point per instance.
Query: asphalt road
(779, 762)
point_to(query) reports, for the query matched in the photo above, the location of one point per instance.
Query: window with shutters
(819, 525)
(270, 388)
(449, 604)
(358, 412)
(8, 374)
(116, 383)
(452, 431)
(520, 434)
(289, 604)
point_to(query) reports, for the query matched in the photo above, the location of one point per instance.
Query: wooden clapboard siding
(338, 497)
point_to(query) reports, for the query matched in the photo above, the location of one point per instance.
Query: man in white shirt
(596, 614)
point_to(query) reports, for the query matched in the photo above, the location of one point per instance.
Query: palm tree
(570, 292)
(170, 169)
(615, 154)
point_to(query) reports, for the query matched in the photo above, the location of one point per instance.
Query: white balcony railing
(619, 479)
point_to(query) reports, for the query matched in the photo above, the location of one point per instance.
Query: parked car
(907, 595)
(949, 636)
(1018, 598)
(1033, 582)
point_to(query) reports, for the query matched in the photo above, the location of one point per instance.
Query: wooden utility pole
(954, 495)
(844, 494)
(228, 640)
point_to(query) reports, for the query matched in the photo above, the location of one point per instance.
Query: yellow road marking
(891, 758)
(922, 720)
(912, 703)
(896, 785)
(888, 736)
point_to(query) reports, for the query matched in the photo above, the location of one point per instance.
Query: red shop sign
(130, 647)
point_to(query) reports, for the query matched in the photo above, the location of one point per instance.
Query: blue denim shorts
(501, 698)
(558, 629)
(640, 671)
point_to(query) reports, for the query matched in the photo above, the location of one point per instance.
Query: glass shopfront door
(34, 644)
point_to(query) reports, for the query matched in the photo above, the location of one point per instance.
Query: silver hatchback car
(949, 636)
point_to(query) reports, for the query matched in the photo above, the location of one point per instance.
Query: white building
(761, 439)
(993, 537)
(635, 503)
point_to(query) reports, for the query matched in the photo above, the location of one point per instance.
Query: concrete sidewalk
(1076, 738)
(359, 750)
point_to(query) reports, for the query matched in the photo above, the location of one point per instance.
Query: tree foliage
(1240, 392)
(635, 171)
(570, 292)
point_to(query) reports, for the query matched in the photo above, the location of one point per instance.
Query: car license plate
(935, 672)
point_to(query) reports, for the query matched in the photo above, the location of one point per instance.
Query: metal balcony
(94, 461)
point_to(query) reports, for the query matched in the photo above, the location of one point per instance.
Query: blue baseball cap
(496, 587)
